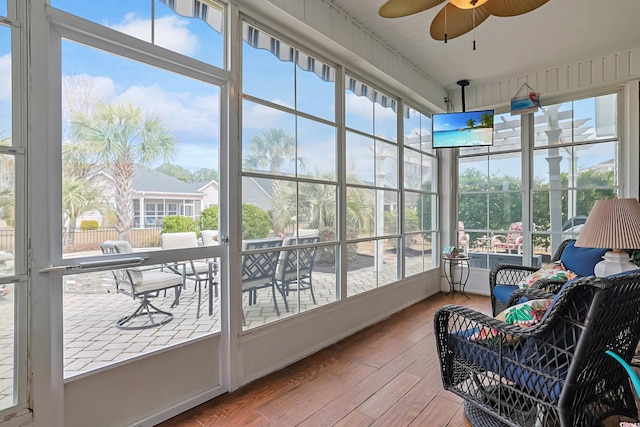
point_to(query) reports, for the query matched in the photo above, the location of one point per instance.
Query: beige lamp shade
(612, 223)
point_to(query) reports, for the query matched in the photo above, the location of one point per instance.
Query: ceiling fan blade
(399, 8)
(459, 21)
(512, 7)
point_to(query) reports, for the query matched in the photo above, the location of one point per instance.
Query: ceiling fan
(458, 17)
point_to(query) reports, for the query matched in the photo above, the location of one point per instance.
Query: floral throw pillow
(551, 271)
(525, 314)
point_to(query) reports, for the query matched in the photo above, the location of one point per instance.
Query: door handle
(96, 265)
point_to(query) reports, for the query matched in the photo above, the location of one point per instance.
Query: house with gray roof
(156, 195)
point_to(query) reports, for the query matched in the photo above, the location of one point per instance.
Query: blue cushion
(503, 292)
(581, 260)
(509, 361)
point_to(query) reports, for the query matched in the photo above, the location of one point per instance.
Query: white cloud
(361, 106)
(79, 89)
(171, 32)
(5, 77)
(256, 116)
(186, 115)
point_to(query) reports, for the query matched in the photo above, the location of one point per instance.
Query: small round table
(456, 270)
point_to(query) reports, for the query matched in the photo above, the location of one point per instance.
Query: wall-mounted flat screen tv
(466, 129)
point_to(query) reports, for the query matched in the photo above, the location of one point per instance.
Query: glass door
(135, 135)
(138, 233)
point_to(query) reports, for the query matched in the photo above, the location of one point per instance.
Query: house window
(420, 194)
(290, 146)
(574, 162)
(372, 186)
(191, 28)
(490, 195)
(289, 158)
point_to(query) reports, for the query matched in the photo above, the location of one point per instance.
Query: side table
(456, 270)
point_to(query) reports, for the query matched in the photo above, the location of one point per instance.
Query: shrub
(411, 220)
(256, 222)
(177, 223)
(89, 224)
(209, 218)
(327, 254)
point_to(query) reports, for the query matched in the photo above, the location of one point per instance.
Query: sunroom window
(574, 157)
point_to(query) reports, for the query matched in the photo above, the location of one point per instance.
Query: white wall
(574, 78)
(267, 349)
(135, 388)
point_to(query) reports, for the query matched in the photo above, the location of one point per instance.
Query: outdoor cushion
(543, 381)
(503, 292)
(525, 314)
(552, 271)
(581, 260)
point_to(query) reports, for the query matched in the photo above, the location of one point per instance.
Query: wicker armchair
(553, 373)
(503, 279)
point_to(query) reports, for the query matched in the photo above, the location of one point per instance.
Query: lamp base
(614, 262)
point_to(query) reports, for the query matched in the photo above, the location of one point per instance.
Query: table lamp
(612, 223)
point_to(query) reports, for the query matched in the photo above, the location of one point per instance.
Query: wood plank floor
(385, 375)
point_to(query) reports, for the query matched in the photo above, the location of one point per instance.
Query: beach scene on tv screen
(466, 129)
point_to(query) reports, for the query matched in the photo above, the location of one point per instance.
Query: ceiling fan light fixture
(467, 4)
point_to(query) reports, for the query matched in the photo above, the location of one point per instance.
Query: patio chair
(142, 284)
(306, 232)
(209, 237)
(198, 271)
(511, 242)
(259, 269)
(463, 238)
(295, 268)
(503, 278)
(555, 372)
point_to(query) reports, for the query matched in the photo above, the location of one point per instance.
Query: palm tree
(122, 135)
(320, 200)
(471, 123)
(270, 150)
(486, 120)
(78, 196)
